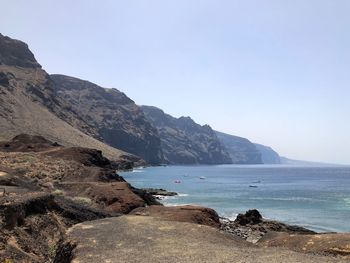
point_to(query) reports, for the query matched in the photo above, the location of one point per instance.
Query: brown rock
(187, 213)
(329, 244)
(116, 197)
(86, 156)
(250, 217)
(27, 143)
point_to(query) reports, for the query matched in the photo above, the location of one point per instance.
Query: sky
(275, 72)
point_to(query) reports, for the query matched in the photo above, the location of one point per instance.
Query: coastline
(68, 203)
(284, 193)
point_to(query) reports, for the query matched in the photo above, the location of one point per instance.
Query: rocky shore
(68, 204)
(252, 227)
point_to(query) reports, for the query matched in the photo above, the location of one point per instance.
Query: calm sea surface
(314, 197)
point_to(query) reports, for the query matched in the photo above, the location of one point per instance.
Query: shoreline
(57, 191)
(307, 209)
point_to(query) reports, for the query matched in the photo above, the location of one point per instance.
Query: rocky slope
(64, 204)
(46, 188)
(268, 155)
(185, 142)
(241, 150)
(29, 103)
(150, 239)
(111, 116)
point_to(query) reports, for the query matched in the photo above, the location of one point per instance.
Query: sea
(317, 198)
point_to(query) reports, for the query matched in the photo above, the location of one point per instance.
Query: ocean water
(314, 197)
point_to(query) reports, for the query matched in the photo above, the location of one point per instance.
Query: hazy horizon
(275, 72)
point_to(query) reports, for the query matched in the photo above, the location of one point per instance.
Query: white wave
(182, 195)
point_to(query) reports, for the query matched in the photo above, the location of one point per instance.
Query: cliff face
(30, 104)
(185, 142)
(111, 116)
(268, 155)
(241, 150)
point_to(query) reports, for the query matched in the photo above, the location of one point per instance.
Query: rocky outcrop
(16, 53)
(112, 116)
(29, 103)
(147, 239)
(330, 244)
(185, 142)
(27, 143)
(159, 192)
(45, 191)
(32, 224)
(82, 174)
(115, 197)
(252, 227)
(268, 155)
(187, 213)
(241, 150)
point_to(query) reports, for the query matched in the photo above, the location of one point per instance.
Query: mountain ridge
(241, 150)
(184, 141)
(112, 117)
(29, 103)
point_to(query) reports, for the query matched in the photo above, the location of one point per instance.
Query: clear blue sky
(276, 72)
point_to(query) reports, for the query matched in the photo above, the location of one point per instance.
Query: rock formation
(46, 188)
(241, 150)
(185, 142)
(268, 155)
(111, 117)
(30, 104)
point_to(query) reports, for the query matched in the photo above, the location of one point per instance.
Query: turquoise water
(314, 197)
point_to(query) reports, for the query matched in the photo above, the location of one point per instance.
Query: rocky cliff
(185, 142)
(268, 155)
(241, 150)
(30, 104)
(111, 116)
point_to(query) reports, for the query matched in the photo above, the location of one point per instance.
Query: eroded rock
(187, 213)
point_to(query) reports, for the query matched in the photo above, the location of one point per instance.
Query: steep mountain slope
(268, 155)
(186, 142)
(28, 103)
(111, 116)
(241, 150)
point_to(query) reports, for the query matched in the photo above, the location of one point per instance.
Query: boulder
(251, 217)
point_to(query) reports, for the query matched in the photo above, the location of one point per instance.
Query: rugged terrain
(28, 102)
(111, 116)
(268, 155)
(147, 239)
(241, 150)
(48, 189)
(185, 142)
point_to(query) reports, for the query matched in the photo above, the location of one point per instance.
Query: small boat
(177, 182)
(253, 186)
(202, 178)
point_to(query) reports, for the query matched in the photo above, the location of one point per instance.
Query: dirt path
(146, 239)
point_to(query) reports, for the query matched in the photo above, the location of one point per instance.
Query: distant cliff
(241, 150)
(268, 155)
(111, 116)
(186, 142)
